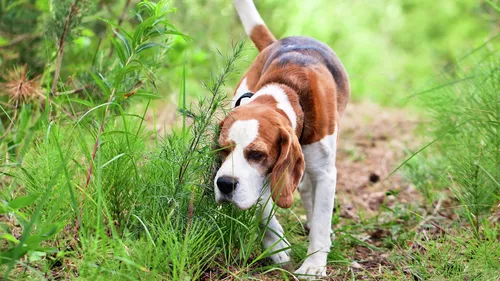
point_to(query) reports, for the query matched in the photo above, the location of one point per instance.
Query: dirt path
(372, 144)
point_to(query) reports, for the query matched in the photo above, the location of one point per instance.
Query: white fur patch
(244, 132)
(274, 238)
(248, 13)
(283, 103)
(242, 89)
(321, 153)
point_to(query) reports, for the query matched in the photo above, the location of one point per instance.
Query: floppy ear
(288, 170)
(215, 146)
(219, 128)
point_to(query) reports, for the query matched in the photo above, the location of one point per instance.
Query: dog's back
(292, 51)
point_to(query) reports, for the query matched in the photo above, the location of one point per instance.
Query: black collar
(245, 95)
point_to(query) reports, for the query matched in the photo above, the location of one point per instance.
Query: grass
(89, 190)
(461, 163)
(449, 256)
(95, 197)
(131, 202)
(465, 118)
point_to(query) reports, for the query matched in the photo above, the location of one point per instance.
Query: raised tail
(254, 26)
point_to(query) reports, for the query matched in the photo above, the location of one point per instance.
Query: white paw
(280, 257)
(311, 270)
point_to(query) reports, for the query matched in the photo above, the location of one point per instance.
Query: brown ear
(288, 170)
(216, 136)
(215, 147)
(219, 128)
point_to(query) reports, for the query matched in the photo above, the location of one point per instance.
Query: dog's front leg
(320, 166)
(320, 226)
(274, 238)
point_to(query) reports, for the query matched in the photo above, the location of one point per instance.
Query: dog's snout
(227, 184)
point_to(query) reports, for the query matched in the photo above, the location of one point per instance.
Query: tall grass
(465, 117)
(89, 194)
(458, 172)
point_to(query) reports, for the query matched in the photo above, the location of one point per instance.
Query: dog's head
(257, 143)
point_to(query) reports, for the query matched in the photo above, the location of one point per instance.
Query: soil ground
(372, 144)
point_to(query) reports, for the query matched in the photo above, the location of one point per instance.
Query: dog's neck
(286, 105)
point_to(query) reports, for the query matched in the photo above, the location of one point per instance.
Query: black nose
(226, 185)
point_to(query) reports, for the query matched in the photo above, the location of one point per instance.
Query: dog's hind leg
(274, 238)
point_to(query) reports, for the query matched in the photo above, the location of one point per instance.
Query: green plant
(133, 201)
(423, 172)
(33, 232)
(465, 113)
(456, 256)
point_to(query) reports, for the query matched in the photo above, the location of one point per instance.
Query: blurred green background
(391, 48)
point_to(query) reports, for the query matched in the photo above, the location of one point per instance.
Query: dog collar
(244, 96)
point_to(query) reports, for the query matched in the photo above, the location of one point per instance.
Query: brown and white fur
(286, 133)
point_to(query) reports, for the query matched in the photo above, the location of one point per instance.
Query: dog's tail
(254, 26)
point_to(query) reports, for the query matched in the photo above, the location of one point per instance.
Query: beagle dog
(283, 129)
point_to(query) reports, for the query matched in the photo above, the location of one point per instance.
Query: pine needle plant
(465, 116)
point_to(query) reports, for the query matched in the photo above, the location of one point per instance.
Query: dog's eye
(255, 155)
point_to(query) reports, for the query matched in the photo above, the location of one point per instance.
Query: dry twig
(73, 10)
